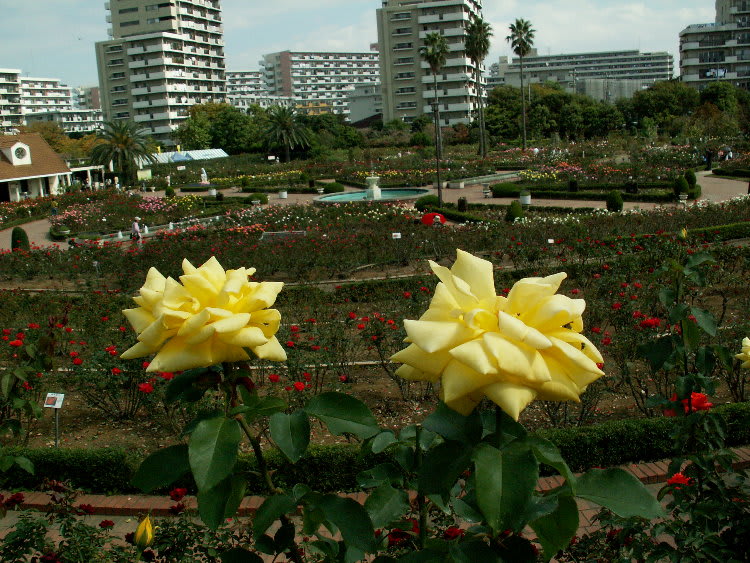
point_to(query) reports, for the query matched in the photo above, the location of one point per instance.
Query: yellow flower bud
(144, 533)
(745, 354)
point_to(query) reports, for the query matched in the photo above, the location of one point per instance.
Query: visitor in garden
(135, 232)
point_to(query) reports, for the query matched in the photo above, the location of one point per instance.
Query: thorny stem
(421, 504)
(294, 552)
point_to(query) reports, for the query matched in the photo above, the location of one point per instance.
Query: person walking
(135, 232)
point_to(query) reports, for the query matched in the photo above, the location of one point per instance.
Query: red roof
(44, 161)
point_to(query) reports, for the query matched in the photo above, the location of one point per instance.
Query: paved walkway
(126, 510)
(714, 189)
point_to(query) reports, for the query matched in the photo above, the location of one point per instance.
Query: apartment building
(719, 50)
(606, 75)
(76, 120)
(162, 58)
(365, 102)
(407, 84)
(320, 81)
(45, 94)
(246, 83)
(86, 97)
(11, 115)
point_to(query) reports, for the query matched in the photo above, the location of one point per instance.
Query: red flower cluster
(651, 322)
(697, 402)
(679, 479)
(177, 494)
(106, 524)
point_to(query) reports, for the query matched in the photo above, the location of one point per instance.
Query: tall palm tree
(477, 47)
(123, 144)
(521, 40)
(284, 128)
(435, 52)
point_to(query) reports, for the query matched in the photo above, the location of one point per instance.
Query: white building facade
(83, 121)
(718, 50)
(163, 58)
(406, 82)
(11, 114)
(320, 81)
(45, 94)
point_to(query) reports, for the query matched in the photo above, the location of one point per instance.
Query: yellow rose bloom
(745, 354)
(211, 317)
(144, 533)
(511, 349)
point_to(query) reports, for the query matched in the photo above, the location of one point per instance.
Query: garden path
(714, 189)
(126, 510)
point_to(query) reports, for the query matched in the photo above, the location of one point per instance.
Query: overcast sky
(54, 38)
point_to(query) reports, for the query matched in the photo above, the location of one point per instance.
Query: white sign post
(55, 401)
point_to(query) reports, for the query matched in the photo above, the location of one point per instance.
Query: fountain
(373, 190)
(374, 193)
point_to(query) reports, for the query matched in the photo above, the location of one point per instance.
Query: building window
(130, 23)
(115, 62)
(402, 46)
(402, 31)
(128, 10)
(404, 60)
(401, 16)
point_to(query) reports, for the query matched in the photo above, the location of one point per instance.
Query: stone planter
(212, 191)
(525, 198)
(283, 194)
(321, 190)
(456, 185)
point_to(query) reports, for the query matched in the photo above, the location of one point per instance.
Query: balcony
(451, 32)
(446, 17)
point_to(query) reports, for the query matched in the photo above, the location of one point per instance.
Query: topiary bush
(333, 188)
(690, 177)
(515, 211)
(680, 186)
(572, 185)
(169, 192)
(463, 205)
(614, 201)
(426, 201)
(19, 240)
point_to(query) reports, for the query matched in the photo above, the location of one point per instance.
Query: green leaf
(6, 383)
(240, 555)
(271, 509)
(181, 387)
(619, 491)
(442, 465)
(547, 453)
(258, 407)
(382, 441)
(291, 434)
(695, 260)
(705, 361)
(705, 320)
(265, 544)
(678, 313)
(379, 475)
(505, 482)
(162, 468)
(386, 504)
(25, 464)
(472, 552)
(343, 414)
(657, 352)
(218, 503)
(467, 511)
(213, 450)
(452, 425)
(667, 297)
(555, 530)
(351, 519)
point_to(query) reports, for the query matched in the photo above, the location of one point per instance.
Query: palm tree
(284, 128)
(125, 145)
(477, 46)
(521, 40)
(435, 52)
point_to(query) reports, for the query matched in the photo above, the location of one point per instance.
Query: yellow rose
(511, 349)
(745, 354)
(144, 533)
(211, 317)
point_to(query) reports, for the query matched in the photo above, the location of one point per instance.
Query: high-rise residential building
(365, 102)
(45, 94)
(11, 115)
(246, 83)
(407, 84)
(718, 50)
(86, 97)
(74, 120)
(162, 58)
(320, 81)
(607, 75)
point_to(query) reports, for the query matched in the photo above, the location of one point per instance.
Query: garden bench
(281, 235)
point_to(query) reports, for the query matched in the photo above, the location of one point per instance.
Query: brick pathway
(652, 474)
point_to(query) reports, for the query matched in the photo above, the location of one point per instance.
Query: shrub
(690, 177)
(19, 240)
(169, 192)
(333, 188)
(420, 139)
(262, 198)
(219, 196)
(680, 186)
(572, 185)
(426, 201)
(614, 201)
(515, 211)
(695, 191)
(463, 205)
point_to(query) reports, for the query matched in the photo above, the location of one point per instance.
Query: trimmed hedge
(335, 467)
(652, 195)
(732, 172)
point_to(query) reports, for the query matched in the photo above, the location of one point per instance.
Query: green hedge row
(288, 189)
(335, 467)
(652, 196)
(732, 172)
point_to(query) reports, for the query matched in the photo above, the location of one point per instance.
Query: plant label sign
(54, 400)
(396, 236)
(181, 167)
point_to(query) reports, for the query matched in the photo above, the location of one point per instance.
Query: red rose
(177, 494)
(116, 371)
(145, 388)
(16, 343)
(77, 361)
(273, 378)
(106, 524)
(678, 479)
(299, 386)
(452, 533)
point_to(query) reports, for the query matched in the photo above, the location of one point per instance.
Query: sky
(55, 39)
